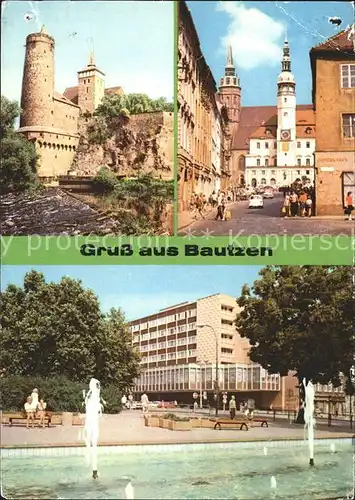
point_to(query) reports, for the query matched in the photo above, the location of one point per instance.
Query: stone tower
(229, 89)
(91, 86)
(38, 80)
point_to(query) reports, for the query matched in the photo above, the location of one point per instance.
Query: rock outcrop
(136, 145)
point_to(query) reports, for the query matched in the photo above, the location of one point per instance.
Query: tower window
(266, 162)
(228, 80)
(84, 82)
(298, 162)
(285, 99)
(87, 89)
(52, 112)
(258, 162)
(298, 144)
(308, 162)
(266, 145)
(308, 144)
(89, 80)
(258, 145)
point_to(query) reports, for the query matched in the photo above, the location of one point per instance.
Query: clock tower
(229, 90)
(286, 112)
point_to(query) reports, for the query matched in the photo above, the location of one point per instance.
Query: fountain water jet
(309, 418)
(129, 491)
(265, 450)
(93, 411)
(273, 482)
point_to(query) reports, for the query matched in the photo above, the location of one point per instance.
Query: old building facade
(333, 79)
(48, 118)
(280, 149)
(202, 123)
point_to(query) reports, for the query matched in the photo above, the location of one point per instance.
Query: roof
(254, 120)
(342, 41)
(71, 93)
(63, 98)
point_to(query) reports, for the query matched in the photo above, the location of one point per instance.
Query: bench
(262, 421)
(23, 419)
(242, 424)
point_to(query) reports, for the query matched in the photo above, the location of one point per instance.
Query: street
(266, 221)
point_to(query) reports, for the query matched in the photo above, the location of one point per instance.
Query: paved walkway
(128, 428)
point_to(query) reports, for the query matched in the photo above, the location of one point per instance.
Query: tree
(300, 319)
(53, 329)
(114, 105)
(9, 111)
(18, 166)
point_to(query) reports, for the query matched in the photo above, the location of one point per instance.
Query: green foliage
(60, 393)
(51, 329)
(9, 111)
(301, 319)
(105, 181)
(124, 105)
(18, 166)
(98, 131)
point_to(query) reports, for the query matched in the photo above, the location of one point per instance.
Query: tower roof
(229, 63)
(342, 41)
(91, 65)
(44, 30)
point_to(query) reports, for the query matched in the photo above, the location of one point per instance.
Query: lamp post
(217, 367)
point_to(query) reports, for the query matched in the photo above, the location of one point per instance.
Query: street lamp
(217, 368)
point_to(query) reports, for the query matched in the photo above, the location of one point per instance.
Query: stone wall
(65, 116)
(140, 144)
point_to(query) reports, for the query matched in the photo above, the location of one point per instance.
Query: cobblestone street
(265, 221)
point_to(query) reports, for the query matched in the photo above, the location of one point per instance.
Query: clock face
(285, 135)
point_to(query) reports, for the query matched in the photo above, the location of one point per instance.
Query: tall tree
(18, 166)
(115, 105)
(58, 329)
(300, 319)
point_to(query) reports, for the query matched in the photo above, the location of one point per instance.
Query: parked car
(256, 201)
(166, 404)
(268, 194)
(136, 405)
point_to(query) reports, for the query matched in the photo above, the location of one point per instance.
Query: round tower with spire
(230, 90)
(91, 86)
(286, 99)
(38, 80)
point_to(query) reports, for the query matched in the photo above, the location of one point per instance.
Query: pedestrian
(349, 207)
(124, 401)
(232, 407)
(145, 403)
(286, 206)
(302, 200)
(214, 197)
(220, 206)
(200, 205)
(294, 204)
(308, 206)
(29, 412)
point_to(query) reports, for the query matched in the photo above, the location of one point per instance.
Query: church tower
(229, 89)
(38, 81)
(286, 99)
(91, 86)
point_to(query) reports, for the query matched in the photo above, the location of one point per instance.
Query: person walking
(349, 207)
(286, 206)
(220, 206)
(294, 204)
(308, 206)
(42, 412)
(232, 407)
(145, 403)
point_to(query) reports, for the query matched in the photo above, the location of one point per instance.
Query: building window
(307, 172)
(308, 162)
(348, 182)
(258, 162)
(308, 144)
(285, 99)
(285, 114)
(89, 80)
(347, 76)
(298, 172)
(87, 89)
(273, 172)
(298, 144)
(266, 145)
(266, 162)
(258, 145)
(275, 145)
(84, 82)
(298, 162)
(348, 125)
(254, 172)
(263, 172)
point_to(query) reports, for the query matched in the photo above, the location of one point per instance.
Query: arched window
(263, 181)
(253, 182)
(272, 181)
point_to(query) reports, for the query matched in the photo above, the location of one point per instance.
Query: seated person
(30, 412)
(42, 412)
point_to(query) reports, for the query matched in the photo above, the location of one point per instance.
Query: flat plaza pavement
(127, 428)
(266, 221)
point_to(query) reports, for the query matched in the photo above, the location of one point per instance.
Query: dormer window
(268, 131)
(308, 130)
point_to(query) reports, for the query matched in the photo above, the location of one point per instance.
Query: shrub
(105, 181)
(60, 394)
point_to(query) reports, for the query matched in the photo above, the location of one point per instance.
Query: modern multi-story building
(333, 77)
(182, 345)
